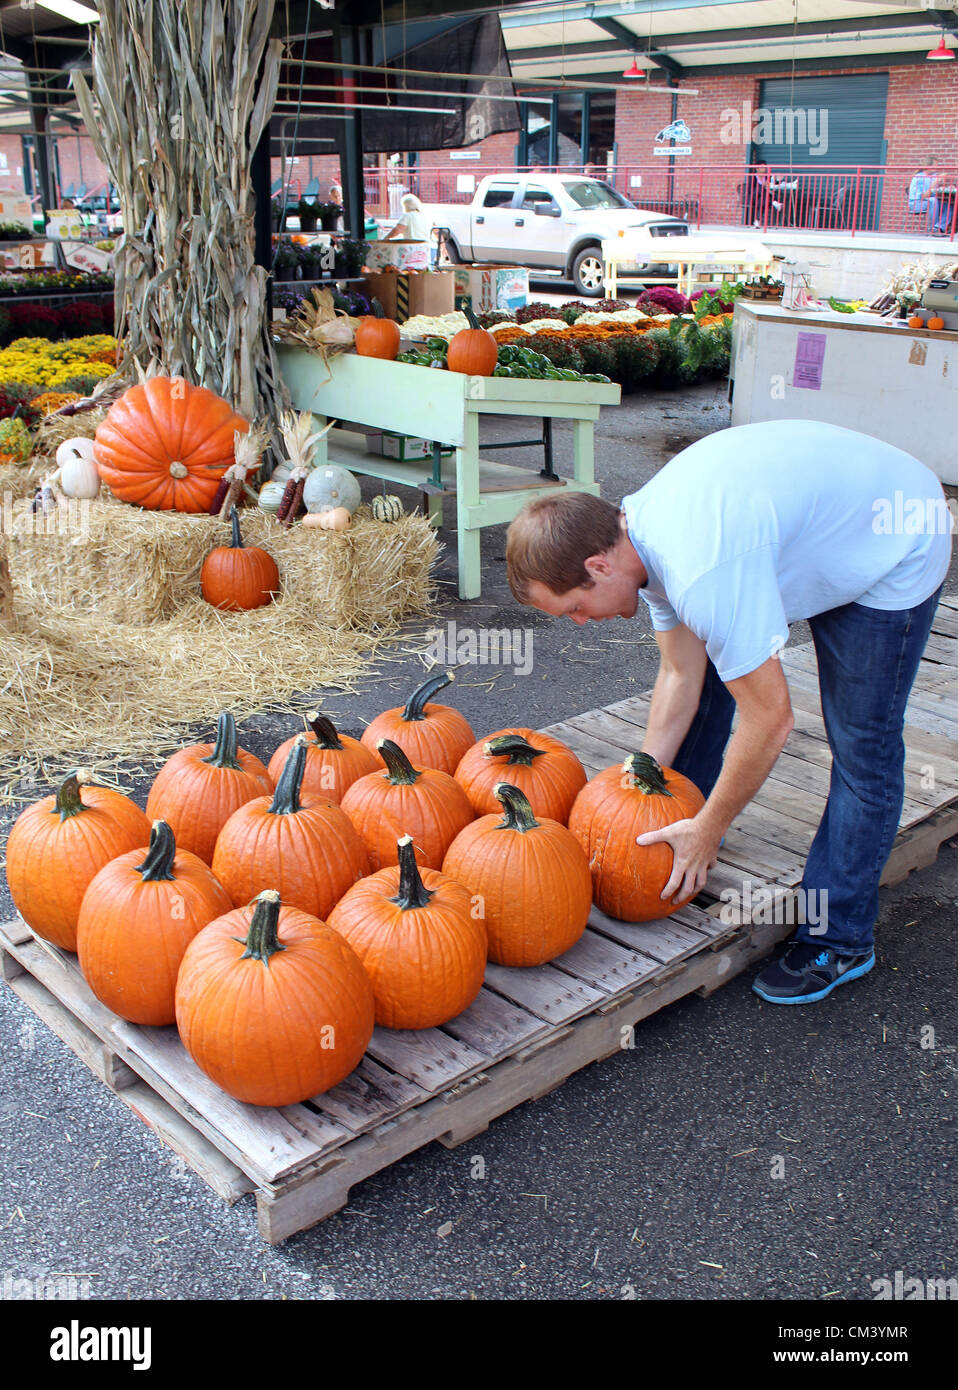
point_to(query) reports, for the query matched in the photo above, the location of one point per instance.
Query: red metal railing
(855, 198)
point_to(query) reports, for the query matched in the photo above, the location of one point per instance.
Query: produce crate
(529, 1029)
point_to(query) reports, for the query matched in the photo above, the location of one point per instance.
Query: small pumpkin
(272, 1004)
(377, 336)
(76, 463)
(136, 920)
(58, 846)
(617, 805)
(541, 766)
(271, 495)
(429, 805)
(430, 735)
(387, 507)
(338, 519)
(200, 786)
(936, 324)
(472, 350)
(238, 577)
(420, 943)
(330, 486)
(916, 321)
(531, 877)
(334, 761)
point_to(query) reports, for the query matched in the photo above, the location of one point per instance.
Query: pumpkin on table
(472, 350)
(272, 1004)
(198, 788)
(137, 918)
(430, 735)
(299, 843)
(237, 577)
(58, 846)
(165, 445)
(334, 761)
(377, 336)
(426, 804)
(415, 933)
(541, 766)
(615, 807)
(531, 876)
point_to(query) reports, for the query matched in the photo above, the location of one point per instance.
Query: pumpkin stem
(412, 891)
(325, 730)
(645, 774)
(158, 863)
(262, 939)
(68, 802)
(224, 749)
(377, 308)
(518, 750)
(237, 540)
(414, 705)
(286, 800)
(471, 319)
(518, 811)
(399, 770)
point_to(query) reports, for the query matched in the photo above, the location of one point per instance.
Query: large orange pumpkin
(165, 445)
(237, 577)
(334, 761)
(137, 918)
(430, 735)
(615, 807)
(531, 878)
(58, 846)
(422, 802)
(541, 766)
(304, 846)
(473, 350)
(272, 1004)
(415, 933)
(377, 336)
(198, 789)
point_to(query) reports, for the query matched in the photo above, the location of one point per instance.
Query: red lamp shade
(941, 52)
(636, 71)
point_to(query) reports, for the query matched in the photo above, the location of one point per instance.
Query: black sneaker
(807, 973)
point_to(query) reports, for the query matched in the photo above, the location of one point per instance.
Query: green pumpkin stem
(415, 704)
(158, 863)
(286, 800)
(470, 314)
(262, 939)
(237, 540)
(377, 308)
(68, 802)
(645, 774)
(325, 730)
(412, 891)
(399, 770)
(518, 750)
(518, 812)
(224, 749)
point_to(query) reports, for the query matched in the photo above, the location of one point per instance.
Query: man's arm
(676, 694)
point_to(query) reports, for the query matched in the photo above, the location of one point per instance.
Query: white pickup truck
(552, 223)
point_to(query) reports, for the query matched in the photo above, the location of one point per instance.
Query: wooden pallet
(529, 1029)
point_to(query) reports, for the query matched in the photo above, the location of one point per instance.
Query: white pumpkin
(271, 495)
(329, 487)
(76, 462)
(281, 472)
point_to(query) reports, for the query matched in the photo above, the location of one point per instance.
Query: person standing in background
(413, 225)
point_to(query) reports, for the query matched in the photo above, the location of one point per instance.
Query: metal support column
(354, 215)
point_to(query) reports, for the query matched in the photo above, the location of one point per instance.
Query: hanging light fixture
(636, 71)
(941, 53)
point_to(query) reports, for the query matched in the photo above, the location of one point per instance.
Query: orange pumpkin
(58, 846)
(415, 933)
(137, 918)
(198, 789)
(619, 804)
(473, 350)
(916, 321)
(334, 761)
(377, 336)
(531, 878)
(236, 577)
(306, 847)
(272, 1004)
(541, 766)
(936, 324)
(165, 445)
(429, 805)
(430, 735)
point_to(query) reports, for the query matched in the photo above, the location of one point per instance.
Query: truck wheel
(587, 273)
(452, 251)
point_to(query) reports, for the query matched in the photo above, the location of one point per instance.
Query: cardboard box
(429, 292)
(403, 255)
(403, 447)
(492, 287)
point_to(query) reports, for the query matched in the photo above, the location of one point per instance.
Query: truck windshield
(594, 195)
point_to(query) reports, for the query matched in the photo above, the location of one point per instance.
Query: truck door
(541, 234)
(493, 224)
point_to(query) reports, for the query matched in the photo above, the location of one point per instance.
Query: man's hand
(695, 850)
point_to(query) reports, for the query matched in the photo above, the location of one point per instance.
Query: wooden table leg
(467, 495)
(583, 451)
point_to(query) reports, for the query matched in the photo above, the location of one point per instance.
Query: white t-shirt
(756, 527)
(416, 226)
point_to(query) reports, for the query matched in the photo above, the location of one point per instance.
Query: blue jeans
(867, 662)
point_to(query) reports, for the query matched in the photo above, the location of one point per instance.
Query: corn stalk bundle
(183, 92)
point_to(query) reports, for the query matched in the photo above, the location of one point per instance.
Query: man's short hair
(552, 537)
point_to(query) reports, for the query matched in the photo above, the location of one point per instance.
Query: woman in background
(413, 225)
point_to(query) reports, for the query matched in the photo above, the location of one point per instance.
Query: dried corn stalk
(183, 92)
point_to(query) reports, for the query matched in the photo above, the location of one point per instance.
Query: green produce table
(444, 407)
